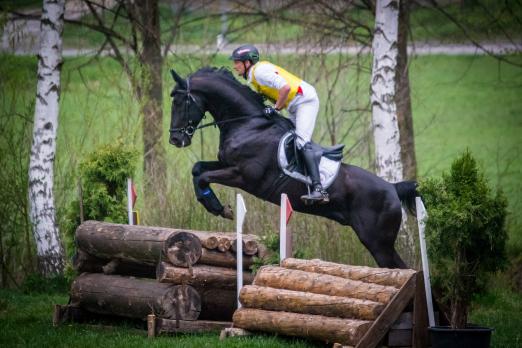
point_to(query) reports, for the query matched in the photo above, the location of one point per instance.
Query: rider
(285, 90)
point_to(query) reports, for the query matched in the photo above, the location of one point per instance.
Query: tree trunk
(289, 279)
(43, 213)
(252, 296)
(134, 297)
(381, 276)
(83, 262)
(152, 102)
(226, 259)
(402, 98)
(332, 330)
(202, 276)
(383, 91)
(139, 244)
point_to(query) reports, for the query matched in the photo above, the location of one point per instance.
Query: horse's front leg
(205, 173)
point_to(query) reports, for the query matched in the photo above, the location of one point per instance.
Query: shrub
(466, 234)
(103, 174)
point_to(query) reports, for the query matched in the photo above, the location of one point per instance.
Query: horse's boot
(318, 194)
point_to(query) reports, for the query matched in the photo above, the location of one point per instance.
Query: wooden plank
(189, 326)
(420, 315)
(390, 314)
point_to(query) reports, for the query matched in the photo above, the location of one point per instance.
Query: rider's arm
(267, 75)
(282, 97)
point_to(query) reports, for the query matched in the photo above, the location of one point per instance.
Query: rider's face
(239, 67)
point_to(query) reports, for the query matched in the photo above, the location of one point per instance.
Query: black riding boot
(318, 194)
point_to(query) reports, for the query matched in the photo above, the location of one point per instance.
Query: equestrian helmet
(246, 52)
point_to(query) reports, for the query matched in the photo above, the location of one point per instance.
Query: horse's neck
(225, 102)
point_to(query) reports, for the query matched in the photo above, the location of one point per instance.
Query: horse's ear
(179, 80)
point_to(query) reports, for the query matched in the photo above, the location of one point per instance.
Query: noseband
(191, 125)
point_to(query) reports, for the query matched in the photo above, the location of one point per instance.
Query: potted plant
(466, 237)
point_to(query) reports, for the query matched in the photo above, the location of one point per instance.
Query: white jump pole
(422, 215)
(282, 228)
(240, 217)
(129, 201)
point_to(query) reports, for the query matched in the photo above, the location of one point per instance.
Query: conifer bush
(465, 234)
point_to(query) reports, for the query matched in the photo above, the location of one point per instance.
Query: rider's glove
(269, 112)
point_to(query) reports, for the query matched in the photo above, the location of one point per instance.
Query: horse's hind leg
(378, 233)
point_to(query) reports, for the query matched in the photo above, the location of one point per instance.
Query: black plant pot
(471, 336)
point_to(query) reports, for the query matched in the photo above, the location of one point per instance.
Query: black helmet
(245, 52)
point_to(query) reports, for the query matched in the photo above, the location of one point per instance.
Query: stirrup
(318, 195)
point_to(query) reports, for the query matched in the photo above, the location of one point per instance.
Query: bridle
(191, 124)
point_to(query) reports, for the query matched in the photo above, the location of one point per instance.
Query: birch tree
(41, 199)
(384, 108)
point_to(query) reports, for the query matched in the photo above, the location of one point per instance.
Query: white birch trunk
(49, 247)
(384, 109)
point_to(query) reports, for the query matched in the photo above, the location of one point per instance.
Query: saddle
(291, 163)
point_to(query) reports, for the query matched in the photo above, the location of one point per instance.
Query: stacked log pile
(134, 271)
(320, 300)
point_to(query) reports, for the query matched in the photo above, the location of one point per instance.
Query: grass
(26, 321)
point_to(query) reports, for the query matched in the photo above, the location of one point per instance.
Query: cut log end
(183, 249)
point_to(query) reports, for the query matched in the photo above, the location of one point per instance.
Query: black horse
(247, 160)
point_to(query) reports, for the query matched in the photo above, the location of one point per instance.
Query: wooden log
(182, 249)
(224, 243)
(250, 246)
(208, 240)
(345, 331)
(226, 259)
(139, 244)
(217, 304)
(252, 296)
(382, 276)
(203, 276)
(156, 326)
(290, 279)
(83, 262)
(134, 297)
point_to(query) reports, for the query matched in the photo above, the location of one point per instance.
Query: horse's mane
(226, 75)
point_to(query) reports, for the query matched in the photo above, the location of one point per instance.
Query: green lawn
(26, 321)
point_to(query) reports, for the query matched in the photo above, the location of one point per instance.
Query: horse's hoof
(228, 213)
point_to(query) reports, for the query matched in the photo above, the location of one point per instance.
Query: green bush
(465, 233)
(103, 175)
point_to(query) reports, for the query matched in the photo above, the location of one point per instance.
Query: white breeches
(303, 113)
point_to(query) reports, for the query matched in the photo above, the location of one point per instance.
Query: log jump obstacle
(181, 280)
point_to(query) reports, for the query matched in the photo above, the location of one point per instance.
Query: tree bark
(43, 149)
(134, 297)
(154, 163)
(252, 296)
(139, 244)
(83, 262)
(403, 99)
(381, 276)
(383, 91)
(289, 279)
(203, 276)
(345, 331)
(226, 259)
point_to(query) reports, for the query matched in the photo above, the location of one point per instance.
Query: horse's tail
(407, 191)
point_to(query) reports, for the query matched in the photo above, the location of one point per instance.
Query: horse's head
(186, 112)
